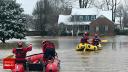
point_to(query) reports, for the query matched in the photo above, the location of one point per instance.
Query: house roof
(92, 11)
(107, 14)
(84, 11)
(101, 17)
(78, 23)
(66, 19)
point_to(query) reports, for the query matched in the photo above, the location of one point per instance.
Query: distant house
(92, 20)
(102, 25)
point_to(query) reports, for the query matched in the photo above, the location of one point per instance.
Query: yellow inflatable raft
(81, 46)
(85, 46)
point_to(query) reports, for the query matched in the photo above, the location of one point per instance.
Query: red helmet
(86, 33)
(20, 44)
(96, 35)
(45, 41)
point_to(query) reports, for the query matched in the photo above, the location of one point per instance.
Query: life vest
(50, 45)
(49, 51)
(83, 40)
(96, 41)
(20, 53)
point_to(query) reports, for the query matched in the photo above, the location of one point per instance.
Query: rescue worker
(86, 38)
(48, 50)
(20, 53)
(83, 40)
(96, 40)
(86, 34)
(43, 45)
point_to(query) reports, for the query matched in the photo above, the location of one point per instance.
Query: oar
(34, 54)
(104, 40)
(10, 56)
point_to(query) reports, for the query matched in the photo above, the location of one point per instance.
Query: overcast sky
(28, 5)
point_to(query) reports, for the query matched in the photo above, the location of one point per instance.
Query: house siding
(102, 26)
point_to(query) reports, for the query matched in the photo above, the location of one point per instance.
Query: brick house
(92, 20)
(102, 26)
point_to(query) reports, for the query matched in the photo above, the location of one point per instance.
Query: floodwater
(112, 58)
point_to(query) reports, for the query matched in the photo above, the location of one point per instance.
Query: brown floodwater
(112, 58)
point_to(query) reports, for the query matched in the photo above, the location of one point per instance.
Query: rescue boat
(85, 46)
(35, 62)
(81, 46)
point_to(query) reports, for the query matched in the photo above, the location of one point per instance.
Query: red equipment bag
(8, 63)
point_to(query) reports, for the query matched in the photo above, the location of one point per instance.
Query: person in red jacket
(86, 34)
(85, 37)
(96, 40)
(20, 53)
(48, 49)
(44, 44)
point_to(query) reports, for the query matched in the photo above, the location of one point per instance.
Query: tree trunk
(3, 40)
(115, 10)
(86, 3)
(80, 3)
(112, 10)
(120, 23)
(107, 2)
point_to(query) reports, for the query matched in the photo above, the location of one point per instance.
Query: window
(97, 28)
(76, 18)
(106, 28)
(89, 17)
(93, 17)
(84, 18)
(81, 27)
(72, 19)
(80, 18)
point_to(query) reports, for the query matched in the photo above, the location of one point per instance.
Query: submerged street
(112, 58)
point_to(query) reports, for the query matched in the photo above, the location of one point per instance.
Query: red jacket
(20, 54)
(95, 41)
(85, 39)
(47, 45)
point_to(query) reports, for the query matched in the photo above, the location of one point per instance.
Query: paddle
(10, 56)
(34, 54)
(104, 40)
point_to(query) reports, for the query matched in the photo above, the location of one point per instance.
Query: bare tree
(112, 5)
(119, 13)
(85, 3)
(125, 20)
(29, 22)
(80, 3)
(38, 14)
(109, 5)
(64, 7)
(47, 13)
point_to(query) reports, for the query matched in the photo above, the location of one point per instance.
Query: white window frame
(106, 28)
(97, 28)
(81, 18)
